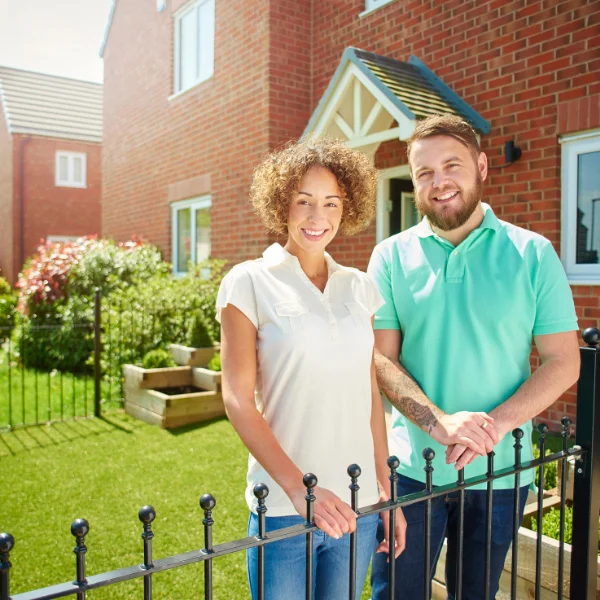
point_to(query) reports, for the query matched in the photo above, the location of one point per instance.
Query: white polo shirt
(313, 384)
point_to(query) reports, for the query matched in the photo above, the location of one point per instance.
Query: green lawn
(104, 471)
(28, 396)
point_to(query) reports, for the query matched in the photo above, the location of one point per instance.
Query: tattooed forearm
(405, 394)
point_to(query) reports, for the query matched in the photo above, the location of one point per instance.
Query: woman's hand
(332, 516)
(400, 530)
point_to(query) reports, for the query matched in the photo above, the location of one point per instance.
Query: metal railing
(586, 506)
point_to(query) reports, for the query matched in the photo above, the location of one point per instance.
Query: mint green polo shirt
(467, 315)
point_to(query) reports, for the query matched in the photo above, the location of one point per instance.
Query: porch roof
(365, 83)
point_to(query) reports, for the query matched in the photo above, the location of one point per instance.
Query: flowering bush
(8, 303)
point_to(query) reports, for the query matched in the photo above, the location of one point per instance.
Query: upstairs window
(373, 4)
(580, 187)
(70, 169)
(194, 44)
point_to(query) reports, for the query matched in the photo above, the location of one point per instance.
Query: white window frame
(382, 219)
(572, 147)
(199, 203)
(185, 10)
(69, 181)
(371, 5)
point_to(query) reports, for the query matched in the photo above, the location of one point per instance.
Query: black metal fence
(41, 383)
(586, 507)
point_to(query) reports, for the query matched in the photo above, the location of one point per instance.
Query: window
(194, 44)
(373, 4)
(71, 169)
(191, 233)
(580, 247)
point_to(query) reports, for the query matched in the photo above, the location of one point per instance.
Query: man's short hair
(449, 125)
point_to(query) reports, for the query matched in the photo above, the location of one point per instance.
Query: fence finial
(79, 529)
(591, 336)
(7, 543)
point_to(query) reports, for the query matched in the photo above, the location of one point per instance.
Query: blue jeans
(285, 561)
(444, 515)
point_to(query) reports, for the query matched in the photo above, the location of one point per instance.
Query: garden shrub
(551, 524)
(158, 359)
(156, 312)
(198, 335)
(549, 470)
(57, 289)
(214, 364)
(8, 304)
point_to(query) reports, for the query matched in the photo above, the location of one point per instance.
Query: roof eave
(482, 125)
(107, 29)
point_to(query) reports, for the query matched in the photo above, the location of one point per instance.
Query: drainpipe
(24, 142)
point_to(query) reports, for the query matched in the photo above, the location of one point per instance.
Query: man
(465, 293)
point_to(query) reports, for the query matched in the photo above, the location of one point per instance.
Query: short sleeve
(555, 310)
(237, 289)
(379, 272)
(373, 299)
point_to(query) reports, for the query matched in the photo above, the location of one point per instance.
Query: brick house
(196, 91)
(50, 162)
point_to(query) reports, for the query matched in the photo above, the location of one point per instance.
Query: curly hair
(277, 178)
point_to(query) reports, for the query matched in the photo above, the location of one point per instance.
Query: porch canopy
(372, 99)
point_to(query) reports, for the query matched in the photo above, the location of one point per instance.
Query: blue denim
(285, 561)
(444, 515)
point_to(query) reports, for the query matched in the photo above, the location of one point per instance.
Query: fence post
(586, 487)
(97, 350)
(7, 543)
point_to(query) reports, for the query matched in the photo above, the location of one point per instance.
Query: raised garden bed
(192, 357)
(174, 396)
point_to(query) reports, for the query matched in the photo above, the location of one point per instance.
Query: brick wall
(6, 200)
(53, 210)
(218, 128)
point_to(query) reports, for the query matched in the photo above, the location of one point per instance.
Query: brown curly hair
(278, 176)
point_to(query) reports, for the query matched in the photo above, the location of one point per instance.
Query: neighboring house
(50, 162)
(197, 91)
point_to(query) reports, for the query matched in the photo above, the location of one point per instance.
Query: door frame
(382, 222)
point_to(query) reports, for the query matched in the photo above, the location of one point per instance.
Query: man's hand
(473, 430)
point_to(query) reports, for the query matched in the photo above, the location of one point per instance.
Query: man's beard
(447, 220)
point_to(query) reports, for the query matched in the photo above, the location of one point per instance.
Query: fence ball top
(566, 422)
(7, 543)
(542, 429)
(393, 462)
(310, 480)
(207, 502)
(80, 528)
(354, 471)
(591, 336)
(261, 491)
(147, 514)
(429, 454)
(518, 433)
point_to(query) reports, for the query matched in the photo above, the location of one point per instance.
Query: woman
(298, 379)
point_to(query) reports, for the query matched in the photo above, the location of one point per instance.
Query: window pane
(588, 208)
(77, 170)
(188, 44)
(206, 46)
(184, 239)
(202, 234)
(63, 168)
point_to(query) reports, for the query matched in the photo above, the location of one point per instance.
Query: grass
(29, 396)
(104, 470)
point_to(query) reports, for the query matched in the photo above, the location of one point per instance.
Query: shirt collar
(276, 254)
(490, 221)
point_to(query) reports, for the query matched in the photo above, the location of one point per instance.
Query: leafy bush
(549, 470)
(214, 364)
(57, 289)
(157, 312)
(8, 305)
(551, 524)
(198, 335)
(158, 359)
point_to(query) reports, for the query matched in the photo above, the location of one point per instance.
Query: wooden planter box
(146, 400)
(192, 357)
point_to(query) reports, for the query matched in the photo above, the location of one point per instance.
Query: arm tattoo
(405, 394)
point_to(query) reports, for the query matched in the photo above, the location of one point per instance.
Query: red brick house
(196, 91)
(50, 162)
